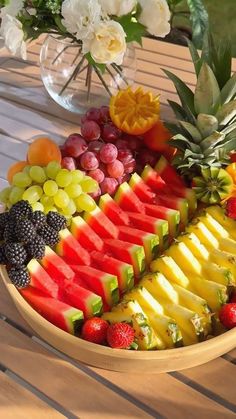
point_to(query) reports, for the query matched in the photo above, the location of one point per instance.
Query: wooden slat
(18, 403)
(161, 400)
(59, 380)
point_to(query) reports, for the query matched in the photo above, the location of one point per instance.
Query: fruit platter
(118, 246)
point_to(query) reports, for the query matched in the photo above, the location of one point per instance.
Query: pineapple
(215, 294)
(169, 268)
(219, 274)
(184, 258)
(204, 234)
(205, 132)
(219, 215)
(228, 245)
(225, 259)
(194, 245)
(159, 287)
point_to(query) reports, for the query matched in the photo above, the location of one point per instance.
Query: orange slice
(231, 169)
(134, 112)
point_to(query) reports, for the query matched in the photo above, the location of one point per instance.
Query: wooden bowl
(118, 359)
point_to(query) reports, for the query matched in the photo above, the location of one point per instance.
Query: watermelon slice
(102, 283)
(188, 194)
(168, 173)
(168, 214)
(113, 211)
(101, 224)
(83, 299)
(40, 279)
(70, 249)
(143, 191)
(56, 267)
(127, 199)
(176, 203)
(154, 181)
(129, 253)
(149, 241)
(124, 271)
(56, 312)
(151, 225)
(85, 235)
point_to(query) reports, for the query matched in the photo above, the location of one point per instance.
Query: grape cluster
(104, 152)
(52, 188)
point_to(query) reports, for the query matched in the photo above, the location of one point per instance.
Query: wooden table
(37, 380)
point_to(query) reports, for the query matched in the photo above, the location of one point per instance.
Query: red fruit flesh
(233, 157)
(154, 181)
(40, 279)
(168, 173)
(101, 224)
(70, 249)
(143, 191)
(231, 208)
(127, 199)
(95, 330)
(83, 299)
(85, 235)
(120, 335)
(56, 267)
(227, 315)
(56, 312)
(112, 210)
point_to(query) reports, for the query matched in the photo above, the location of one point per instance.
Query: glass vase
(75, 84)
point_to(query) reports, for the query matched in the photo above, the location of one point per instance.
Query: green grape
(37, 174)
(89, 185)
(85, 202)
(22, 180)
(37, 206)
(73, 190)
(52, 169)
(63, 178)
(26, 170)
(33, 194)
(16, 195)
(70, 209)
(77, 176)
(61, 199)
(50, 188)
(46, 201)
(4, 194)
(50, 208)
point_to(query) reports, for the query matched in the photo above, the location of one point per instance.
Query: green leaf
(212, 141)
(58, 22)
(229, 90)
(133, 29)
(197, 60)
(180, 112)
(185, 94)
(174, 128)
(230, 145)
(192, 131)
(181, 141)
(223, 65)
(199, 19)
(100, 67)
(226, 113)
(207, 93)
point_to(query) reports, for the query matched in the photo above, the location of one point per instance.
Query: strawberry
(120, 335)
(231, 208)
(227, 315)
(95, 330)
(233, 157)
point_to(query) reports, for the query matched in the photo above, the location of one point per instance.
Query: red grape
(63, 151)
(68, 163)
(96, 194)
(90, 130)
(122, 144)
(97, 175)
(75, 145)
(134, 142)
(109, 185)
(108, 153)
(89, 161)
(130, 166)
(105, 114)
(110, 133)
(83, 119)
(115, 169)
(147, 156)
(125, 155)
(93, 114)
(95, 146)
(124, 178)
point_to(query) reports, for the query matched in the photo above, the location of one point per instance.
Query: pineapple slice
(228, 245)
(131, 312)
(163, 325)
(198, 305)
(204, 235)
(167, 266)
(194, 245)
(219, 215)
(159, 287)
(219, 274)
(184, 258)
(226, 259)
(216, 228)
(188, 321)
(215, 294)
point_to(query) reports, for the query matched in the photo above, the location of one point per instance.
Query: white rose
(109, 44)
(155, 16)
(12, 8)
(117, 7)
(80, 17)
(13, 35)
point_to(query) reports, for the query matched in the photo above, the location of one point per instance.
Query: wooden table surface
(35, 379)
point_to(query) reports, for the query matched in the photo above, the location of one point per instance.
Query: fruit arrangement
(126, 235)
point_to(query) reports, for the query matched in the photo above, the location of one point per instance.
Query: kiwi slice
(213, 185)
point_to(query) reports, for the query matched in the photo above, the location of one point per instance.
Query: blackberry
(10, 232)
(38, 218)
(3, 259)
(15, 254)
(1, 234)
(56, 221)
(36, 249)
(25, 231)
(19, 276)
(4, 218)
(49, 235)
(21, 209)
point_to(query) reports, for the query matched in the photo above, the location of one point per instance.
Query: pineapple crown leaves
(207, 117)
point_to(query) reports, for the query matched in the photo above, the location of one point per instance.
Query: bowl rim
(105, 350)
